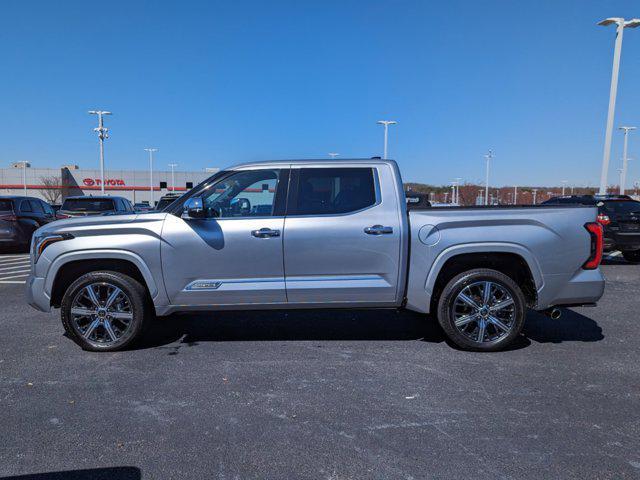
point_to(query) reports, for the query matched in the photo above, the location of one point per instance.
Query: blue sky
(216, 83)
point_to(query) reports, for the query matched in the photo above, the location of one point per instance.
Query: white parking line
(25, 255)
(22, 275)
(23, 268)
(13, 281)
(11, 262)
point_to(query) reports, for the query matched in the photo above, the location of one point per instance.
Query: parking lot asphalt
(325, 394)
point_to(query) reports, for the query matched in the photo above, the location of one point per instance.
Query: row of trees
(469, 193)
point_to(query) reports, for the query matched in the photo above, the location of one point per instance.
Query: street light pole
(564, 185)
(621, 24)
(488, 156)
(173, 180)
(515, 195)
(535, 194)
(102, 134)
(151, 152)
(24, 176)
(625, 159)
(386, 124)
(458, 190)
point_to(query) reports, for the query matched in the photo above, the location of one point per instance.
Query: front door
(234, 255)
(342, 236)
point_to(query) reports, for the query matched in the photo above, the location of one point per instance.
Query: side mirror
(194, 208)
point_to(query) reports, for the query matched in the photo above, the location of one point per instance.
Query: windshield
(88, 205)
(621, 207)
(6, 206)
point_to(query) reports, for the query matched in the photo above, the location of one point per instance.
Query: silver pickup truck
(316, 234)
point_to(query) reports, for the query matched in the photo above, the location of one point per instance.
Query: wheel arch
(66, 268)
(513, 260)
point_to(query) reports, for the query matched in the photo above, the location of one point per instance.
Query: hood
(100, 222)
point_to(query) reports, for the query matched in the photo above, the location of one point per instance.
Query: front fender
(65, 258)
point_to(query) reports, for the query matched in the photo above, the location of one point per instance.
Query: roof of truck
(320, 161)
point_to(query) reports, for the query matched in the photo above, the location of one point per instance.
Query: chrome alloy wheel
(484, 311)
(102, 313)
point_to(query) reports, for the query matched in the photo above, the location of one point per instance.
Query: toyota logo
(89, 182)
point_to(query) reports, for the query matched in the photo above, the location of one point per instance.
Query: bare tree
(51, 189)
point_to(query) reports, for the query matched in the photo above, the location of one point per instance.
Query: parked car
(83, 206)
(20, 217)
(167, 200)
(142, 207)
(317, 234)
(620, 217)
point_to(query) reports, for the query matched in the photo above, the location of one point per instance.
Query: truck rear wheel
(482, 310)
(104, 311)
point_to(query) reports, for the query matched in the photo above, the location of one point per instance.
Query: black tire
(633, 256)
(137, 305)
(464, 339)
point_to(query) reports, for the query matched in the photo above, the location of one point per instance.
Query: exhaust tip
(553, 313)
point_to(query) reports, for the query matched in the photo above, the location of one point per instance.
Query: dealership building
(55, 184)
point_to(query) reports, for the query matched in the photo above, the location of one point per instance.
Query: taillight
(603, 219)
(9, 218)
(596, 232)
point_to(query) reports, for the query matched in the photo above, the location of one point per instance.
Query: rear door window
(331, 191)
(25, 206)
(35, 206)
(6, 206)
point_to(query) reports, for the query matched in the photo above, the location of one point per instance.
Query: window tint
(36, 206)
(621, 207)
(88, 204)
(6, 206)
(323, 191)
(244, 194)
(47, 208)
(25, 206)
(163, 185)
(189, 184)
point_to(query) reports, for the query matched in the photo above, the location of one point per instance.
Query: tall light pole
(24, 175)
(386, 124)
(458, 190)
(151, 152)
(488, 156)
(625, 159)
(333, 154)
(515, 195)
(535, 194)
(453, 193)
(564, 185)
(173, 180)
(621, 24)
(102, 134)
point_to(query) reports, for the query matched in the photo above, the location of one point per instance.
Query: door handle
(378, 230)
(265, 233)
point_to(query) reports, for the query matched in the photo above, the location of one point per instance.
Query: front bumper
(36, 296)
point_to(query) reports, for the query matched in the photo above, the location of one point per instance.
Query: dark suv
(20, 217)
(620, 216)
(88, 205)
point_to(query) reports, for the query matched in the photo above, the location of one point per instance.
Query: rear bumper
(36, 296)
(584, 287)
(622, 241)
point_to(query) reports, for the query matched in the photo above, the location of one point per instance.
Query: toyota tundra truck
(316, 234)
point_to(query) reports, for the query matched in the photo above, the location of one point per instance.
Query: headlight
(42, 241)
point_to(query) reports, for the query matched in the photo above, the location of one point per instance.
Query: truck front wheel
(482, 310)
(104, 311)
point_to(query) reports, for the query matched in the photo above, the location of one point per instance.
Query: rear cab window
(88, 204)
(333, 191)
(620, 207)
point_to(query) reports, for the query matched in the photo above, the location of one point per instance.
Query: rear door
(342, 237)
